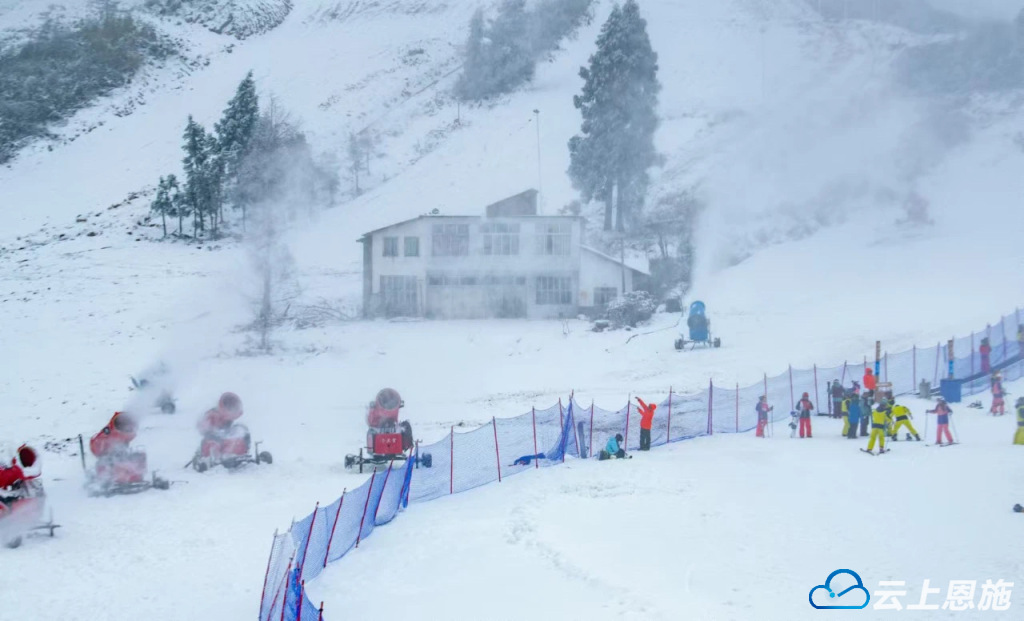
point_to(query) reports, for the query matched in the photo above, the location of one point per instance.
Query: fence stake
(885, 366)
(330, 539)
(266, 575)
(321, 617)
(366, 505)
(914, 380)
(575, 425)
(817, 395)
(1002, 331)
(302, 565)
(302, 596)
(590, 445)
(792, 401)
(972, 353)
(767, 431)
(668, 437)
(938, 354)
(380, 498)
(536, 462)
(842, 378)
(451, 461)
(287, 572)
(561, 421)
(497, 454)
(737, 407)
(711, 406)
(629, 407)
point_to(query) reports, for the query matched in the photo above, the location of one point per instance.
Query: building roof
(463, 217)
(630, 263)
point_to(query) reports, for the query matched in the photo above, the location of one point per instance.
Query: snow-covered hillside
(787, 126)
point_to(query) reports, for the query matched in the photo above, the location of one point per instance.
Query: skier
(838, 395)
(879, 419)
(943, 411)
(646, 419)
(794, 419)
(985, 351)
(805, 407)
(901, 418)
(865, 411)
(998, 393)
(762, 408)
(853, 415)
(613, 448)
(870, 382)
(1018, 437)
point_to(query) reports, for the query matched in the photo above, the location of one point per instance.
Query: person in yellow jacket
(880, 417)
(1018, 438)
(901, 418)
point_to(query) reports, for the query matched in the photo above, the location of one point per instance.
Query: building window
(604, 295)
(398, 295)
(501, 238)
(412, 246)
(450, 240)
(390, 246)
(554, 238)
(554, 290)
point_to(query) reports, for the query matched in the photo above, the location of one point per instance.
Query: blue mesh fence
(464, 460)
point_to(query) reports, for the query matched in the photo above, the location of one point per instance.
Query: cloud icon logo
(839, 596)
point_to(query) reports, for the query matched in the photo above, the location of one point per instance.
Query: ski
(873, 454)
(866, 451)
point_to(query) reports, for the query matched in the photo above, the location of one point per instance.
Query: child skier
(646, 420)
(879, 420)
(901, 418)
(998, 393)
(805, 407)
(794, 419)
(838, 396)
(943, 411)
(1018, 437)
(762, 408)
(614, 448)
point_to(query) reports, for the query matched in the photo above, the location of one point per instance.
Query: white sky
(981, 8)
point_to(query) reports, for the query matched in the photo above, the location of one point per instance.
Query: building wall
(596, 271)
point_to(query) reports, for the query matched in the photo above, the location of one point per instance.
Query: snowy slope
(81, 315)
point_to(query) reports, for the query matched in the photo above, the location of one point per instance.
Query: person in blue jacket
(614, 448)
(854, 409)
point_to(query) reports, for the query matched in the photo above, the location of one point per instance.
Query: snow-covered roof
(634, 263)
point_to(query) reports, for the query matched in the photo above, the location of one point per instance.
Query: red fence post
(302, 596)
(711, 406)
(369, 492)
(451, 461)
(629, 407)
(283, 585)
(938, 354)
(591, 443)
(536, 462)
(387, 475)
(341, 502)
(737, 407)
(792, 401)
(321, 617)
(668, 437)
(309, 535)
(497, 454)
(266, 574)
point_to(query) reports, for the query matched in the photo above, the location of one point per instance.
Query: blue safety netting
(466, 459)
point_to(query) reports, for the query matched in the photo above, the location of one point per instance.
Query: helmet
(805, 395)
(618, 437)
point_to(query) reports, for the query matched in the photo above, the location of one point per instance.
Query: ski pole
(81, 451)
(955, 432)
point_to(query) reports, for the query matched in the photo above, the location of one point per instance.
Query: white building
(509, 263)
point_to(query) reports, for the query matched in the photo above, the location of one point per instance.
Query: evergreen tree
(162, 203)
(213, 185)
(176, 202)
(512, 60)
(234, 136)
(474, 71)
(196, 164)
(610, 158)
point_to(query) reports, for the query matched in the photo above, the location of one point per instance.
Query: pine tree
(162, 203)
(609, 160)
(176, 202)
(474, 70)
(213, 183)
(512, 60)
(234, 136)
(195, 164)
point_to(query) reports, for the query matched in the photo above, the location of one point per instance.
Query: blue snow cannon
(699, 329)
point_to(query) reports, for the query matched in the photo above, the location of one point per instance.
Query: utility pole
(622, 260)
(540, 176)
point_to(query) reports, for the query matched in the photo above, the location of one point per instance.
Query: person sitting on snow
(901, 418)
(217, 422)
(114, 439)
(998, 394)
(614, 448)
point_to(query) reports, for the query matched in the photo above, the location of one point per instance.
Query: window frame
(554, 239)
(553, 291)
(501, 239)
(405, 245)
(449, 240)
(390, 243)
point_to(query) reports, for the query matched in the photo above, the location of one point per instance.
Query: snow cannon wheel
(680, 343)
(350, 460)
(718, 343)
(13, 542)
(200, 466)
(264, 457)
(159, 483)
(426, 460)
(167, 407)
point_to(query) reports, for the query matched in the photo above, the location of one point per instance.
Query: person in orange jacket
(870, 381)
(805, 407)
(646, 420)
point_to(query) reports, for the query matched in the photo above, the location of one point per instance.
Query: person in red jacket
(870, 382)
(985, 352)
(805, 407)
(998, 393)
(646, 420)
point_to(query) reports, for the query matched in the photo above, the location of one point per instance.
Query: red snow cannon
(120, 469)
(387, 439)
(22, 499)
(226, 442)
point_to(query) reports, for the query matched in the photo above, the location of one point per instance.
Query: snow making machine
(120, 468)
(22, 499)
(226, 442)
(700, 329)
(388, 440)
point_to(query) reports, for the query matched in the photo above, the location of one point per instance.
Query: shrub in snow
(631, 308)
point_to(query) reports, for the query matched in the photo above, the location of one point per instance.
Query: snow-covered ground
(768, 122)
